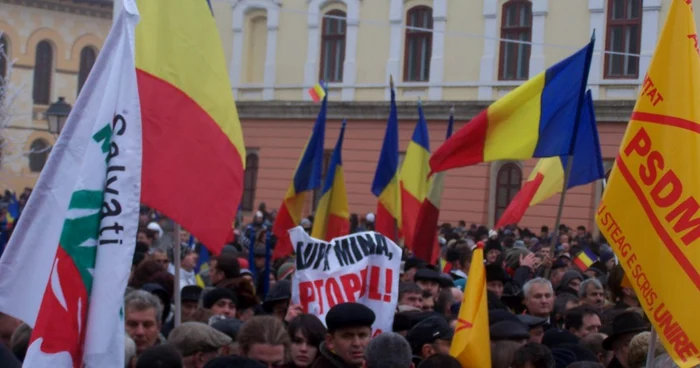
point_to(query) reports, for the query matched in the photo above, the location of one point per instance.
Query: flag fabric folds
(585, 259)
(547, 178)
(194, 154)
(66, 267)
(307, 177)
(317, 92)
(386, 178)
(470, 344)
(534, 120)
(332, 218)
(425, 239)
(649, 210)
(414, 178)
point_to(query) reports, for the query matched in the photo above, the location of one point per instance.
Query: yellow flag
(471, 343)
(650, 212)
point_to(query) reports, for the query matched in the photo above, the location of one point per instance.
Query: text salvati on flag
(414, 178)
(470, 344)
(357, 268)
(649, 211)
(192, 138)
(307, 177)
(534, 120)
(66, 267)
(547, 178)
(332, 218)
(386, 178)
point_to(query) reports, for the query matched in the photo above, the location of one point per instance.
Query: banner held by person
(649, 210)
(362, 268)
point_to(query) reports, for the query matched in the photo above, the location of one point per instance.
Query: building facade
(462, 53)
(51, 46)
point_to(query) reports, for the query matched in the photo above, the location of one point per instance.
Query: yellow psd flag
(471, 344)
(650, 212)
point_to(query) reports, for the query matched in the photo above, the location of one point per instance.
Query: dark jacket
(614, 363)
(326, 359)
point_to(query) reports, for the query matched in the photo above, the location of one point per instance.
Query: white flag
(66, 267)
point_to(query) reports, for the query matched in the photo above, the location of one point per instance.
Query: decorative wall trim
(597, 25)
(651, 16)
(96, 9)
(311, 68)
(240, 8)
(488, 59)
(606, 110)
(540, 8)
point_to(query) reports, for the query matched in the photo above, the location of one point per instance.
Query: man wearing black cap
(624, 327)
(221, 302)
(349, 330)
(431, 280)
(495, 279)
(430, 336)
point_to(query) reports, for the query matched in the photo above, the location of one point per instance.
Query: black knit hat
(217, 294)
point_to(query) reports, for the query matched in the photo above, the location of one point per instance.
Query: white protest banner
(362, 268)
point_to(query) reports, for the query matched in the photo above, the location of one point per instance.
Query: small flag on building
(585, 259)
(317, 92)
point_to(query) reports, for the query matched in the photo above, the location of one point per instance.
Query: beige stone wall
(24, 27)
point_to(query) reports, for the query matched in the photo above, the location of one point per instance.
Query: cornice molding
(608, 111)
(94, 9)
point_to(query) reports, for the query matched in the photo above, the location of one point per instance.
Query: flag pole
(572, 144)
(396, 223)
(652, 348)
(177, 261)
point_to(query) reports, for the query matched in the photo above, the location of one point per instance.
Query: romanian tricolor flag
(547, 178)
(470, 344)
(332, 217)
(425, 238)
(585, 259)
(414, 178)
(386, 179)
(534, 120)
(307, 177)
(193, 151)
(317, 92)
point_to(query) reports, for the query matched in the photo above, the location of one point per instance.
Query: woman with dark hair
(307, 333)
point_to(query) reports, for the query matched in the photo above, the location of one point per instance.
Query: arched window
(333, 46)
(38, 155)
(250, 181)
(419, 44)
(516, 24)
(624, 32)
(4, 57)
(43, 68)
(256, 47)
(88, 55)
(508, 181)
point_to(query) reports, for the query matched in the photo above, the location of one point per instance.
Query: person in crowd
(161, 356)
(410, 267)
(231, 328)
(224, 268)
(234, 362)
(570, 282)
(591, 292)
(582, 321)
(20, 341)
(197, 343)
(146, 236)
(307, 333)
(639, 349)
(221, 302)
(495, 279)
(129, 352)
(188, 261)
(349, 330)
(189, 296)
(428, 301)
(539, 298)
(624, 327)
(492, 250)
(388, 350)
(142, 319)
(532, 355)
(535, 325)
(503, 353)
(430, 280)
(594, 343)
(277, 299)
(624, 297)
(8, 325)
(562, 304)
(440, 361)
(160, 256)
(264, 339)
(410, 294)
(431, 336)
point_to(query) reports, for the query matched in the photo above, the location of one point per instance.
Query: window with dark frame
(333, 46)
(38, 154)
(4, 55)
(250, 181)
(516, 24)
(508, 182)
(327, 154)
(623, 38)
(419, 44)
(43, 69)
(88, 55)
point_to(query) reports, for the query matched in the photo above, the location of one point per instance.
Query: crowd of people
(236, 309)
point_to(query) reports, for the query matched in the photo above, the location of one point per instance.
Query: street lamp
(57, 114)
